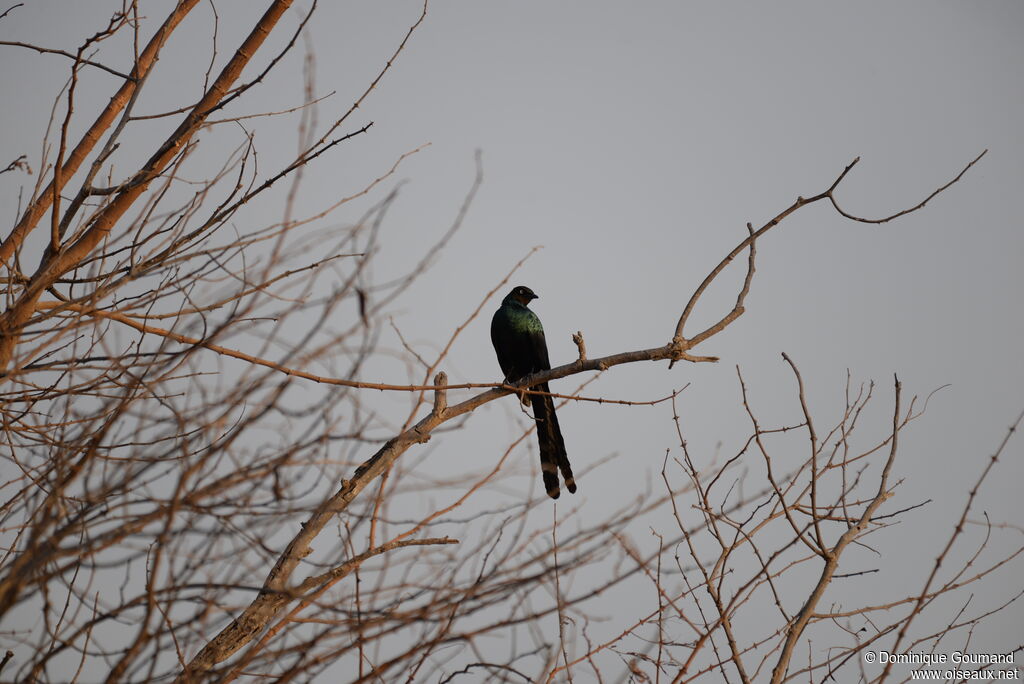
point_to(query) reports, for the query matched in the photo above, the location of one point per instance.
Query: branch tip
(440, 393)
(580, 345)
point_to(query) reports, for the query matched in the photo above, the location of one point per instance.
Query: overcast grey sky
(634, 141)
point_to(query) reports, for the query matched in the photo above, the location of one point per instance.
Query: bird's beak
(533, 296)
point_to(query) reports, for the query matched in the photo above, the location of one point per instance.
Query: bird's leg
(523, 397)
(524, 401)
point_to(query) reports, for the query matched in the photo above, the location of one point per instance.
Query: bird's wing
(501, 338)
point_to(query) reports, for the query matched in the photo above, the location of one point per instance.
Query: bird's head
(521, 294)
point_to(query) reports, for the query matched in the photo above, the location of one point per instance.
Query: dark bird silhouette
(518, 339)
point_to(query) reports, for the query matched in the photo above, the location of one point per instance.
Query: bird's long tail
(552, 448)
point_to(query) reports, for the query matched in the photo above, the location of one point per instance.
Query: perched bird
(518, 339)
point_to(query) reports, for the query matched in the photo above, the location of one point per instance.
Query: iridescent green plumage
(518, 339)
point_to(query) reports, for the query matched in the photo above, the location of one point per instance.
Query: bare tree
(184, 498)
